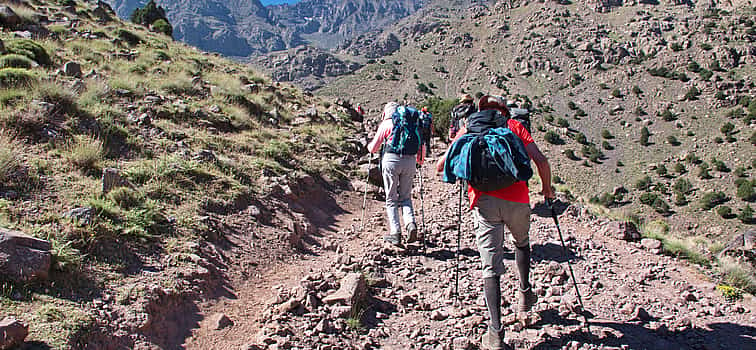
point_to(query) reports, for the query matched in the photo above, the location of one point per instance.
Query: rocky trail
(350, 291)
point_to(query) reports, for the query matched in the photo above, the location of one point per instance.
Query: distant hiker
(426, 126)
(360, 110)
(493, 209)
(403, 149)
(459, 113)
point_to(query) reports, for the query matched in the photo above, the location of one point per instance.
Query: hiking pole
(459, 239)
(550, 203)
(422, 208)
(364, 197)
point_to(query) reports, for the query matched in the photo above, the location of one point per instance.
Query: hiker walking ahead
(426, 126)
(508, 206)
(403, 150)
(459, 113)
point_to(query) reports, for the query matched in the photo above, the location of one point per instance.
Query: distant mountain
(242, 28)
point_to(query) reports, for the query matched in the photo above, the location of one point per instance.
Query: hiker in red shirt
(510, 207)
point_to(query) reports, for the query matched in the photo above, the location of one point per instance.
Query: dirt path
(637, 299)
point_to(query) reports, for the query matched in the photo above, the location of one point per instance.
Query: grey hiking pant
(398, 175)
(491, 214)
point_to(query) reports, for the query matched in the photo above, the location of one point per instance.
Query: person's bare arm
(544, 169)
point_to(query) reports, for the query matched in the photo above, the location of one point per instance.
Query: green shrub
(15, 61)
(422, 88)
(680, 168)
(692, 94)
(682, 186)
(616, 93)
(672, 140)
(161, 55)
(552, 137)
(607, 146)
(126, 198)
(644, 136)
(648, 198)
(703, 171)
(85, 152)
(637, 90)
(737, 275)
(727, 128)
(30, 49)
(580, 138)
(712, 199)
(660, 206)
(661, 170)
(9, 160)
(680, 199)
(570, 154)
(16, 77)
(746, 214)
(606, 134)
(162, 26)
(746, 192)
(643, 183)
(683, 250)
(562, 123)
(719, 165)
(668, 116)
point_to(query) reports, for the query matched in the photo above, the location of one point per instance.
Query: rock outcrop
(23, 257)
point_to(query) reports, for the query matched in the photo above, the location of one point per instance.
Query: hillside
(596, 75)
(133, 168)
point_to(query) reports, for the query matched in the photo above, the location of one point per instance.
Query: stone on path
(12, 333)
(651, 243)
(624, 230)
(352, 291)
(23, 257)
(219, 321)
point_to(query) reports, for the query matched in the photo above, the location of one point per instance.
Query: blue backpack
(405, 136)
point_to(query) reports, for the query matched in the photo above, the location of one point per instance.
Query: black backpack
(486, 173)
(459, 112)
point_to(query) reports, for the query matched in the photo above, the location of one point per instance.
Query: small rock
(288, 306)
(651, 243)
(219, 321)
(72, 69)
(461, 343)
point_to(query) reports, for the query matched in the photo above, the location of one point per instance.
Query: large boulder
(352, 292)
(23, 257)
(624, 230)
(12, 333)
(9, 18)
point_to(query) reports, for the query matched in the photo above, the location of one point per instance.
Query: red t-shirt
(518, 192)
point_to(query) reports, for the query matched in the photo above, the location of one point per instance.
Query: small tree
(152, 15)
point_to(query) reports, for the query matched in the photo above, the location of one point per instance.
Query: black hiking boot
(412, 229)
